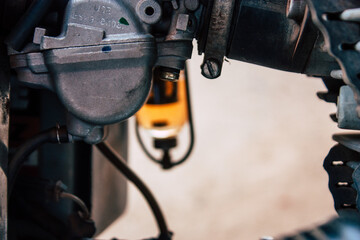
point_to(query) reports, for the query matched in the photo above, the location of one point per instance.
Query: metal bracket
(217, 38)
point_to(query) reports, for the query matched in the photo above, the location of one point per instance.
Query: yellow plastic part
(165, 120)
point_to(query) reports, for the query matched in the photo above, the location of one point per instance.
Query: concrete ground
(256, 170)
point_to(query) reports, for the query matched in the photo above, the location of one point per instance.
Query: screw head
(211, 68)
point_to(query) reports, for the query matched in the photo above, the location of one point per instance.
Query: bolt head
(210, 68)
(169, 76)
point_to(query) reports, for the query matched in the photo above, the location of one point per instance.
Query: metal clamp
(217, 38)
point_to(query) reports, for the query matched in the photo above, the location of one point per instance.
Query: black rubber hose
(191, 127)
(26, 25)
(52, 135)
(120, 164)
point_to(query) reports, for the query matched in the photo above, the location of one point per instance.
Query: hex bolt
(169, 74)
(211, 68)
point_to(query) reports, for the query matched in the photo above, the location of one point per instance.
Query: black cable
(52, 135)
(120, 164)
(79, 202)
(191, 128)
(26, 25)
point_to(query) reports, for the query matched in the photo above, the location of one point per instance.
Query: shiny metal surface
(295, 9)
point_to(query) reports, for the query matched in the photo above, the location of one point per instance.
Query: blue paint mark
(106, 49)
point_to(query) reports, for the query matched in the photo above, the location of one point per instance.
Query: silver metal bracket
(217, 38)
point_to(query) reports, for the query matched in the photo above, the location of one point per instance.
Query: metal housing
(100, 66)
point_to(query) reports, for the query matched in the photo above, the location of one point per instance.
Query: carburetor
(100, 66)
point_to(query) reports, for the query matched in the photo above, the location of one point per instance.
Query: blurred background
(256, 169)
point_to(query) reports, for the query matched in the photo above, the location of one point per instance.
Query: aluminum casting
(100, 66)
